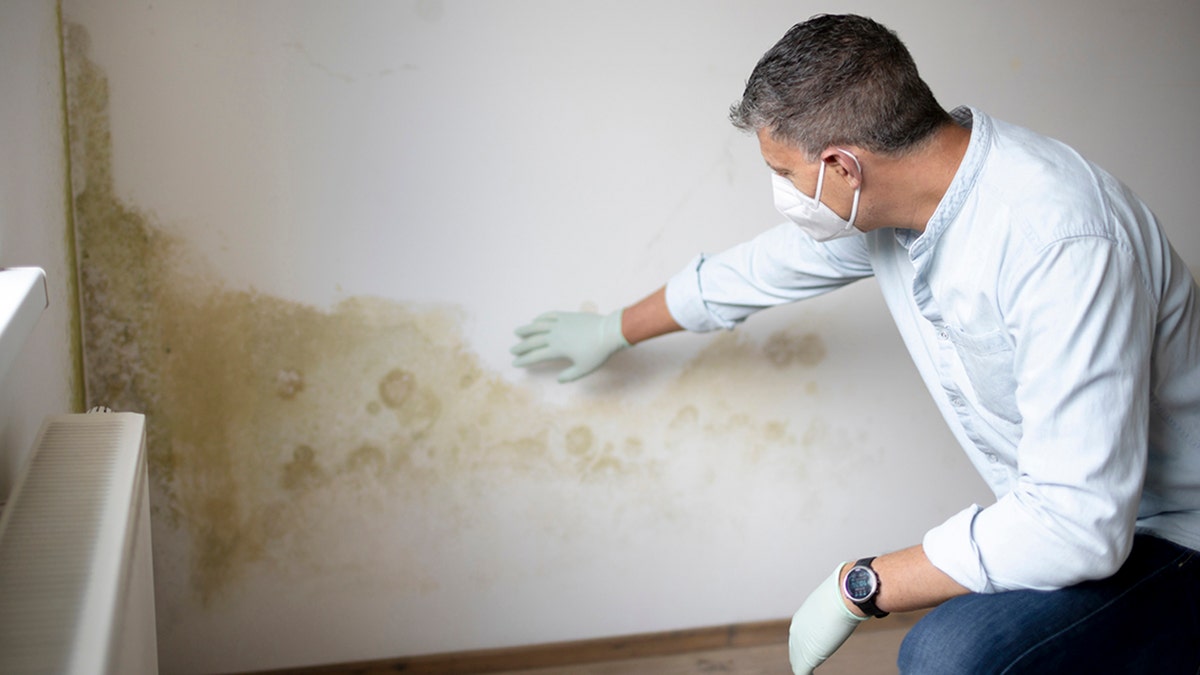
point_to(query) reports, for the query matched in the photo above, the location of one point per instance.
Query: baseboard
(587, 651)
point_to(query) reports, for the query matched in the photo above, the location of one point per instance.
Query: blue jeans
(1143, 619)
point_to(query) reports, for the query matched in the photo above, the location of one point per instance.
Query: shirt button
(943, 335)
(992, 458)
(956, 402)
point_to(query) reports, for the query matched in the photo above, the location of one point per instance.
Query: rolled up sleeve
(779, 266)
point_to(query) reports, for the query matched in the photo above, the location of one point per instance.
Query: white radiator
(23, 297)
(76, 582)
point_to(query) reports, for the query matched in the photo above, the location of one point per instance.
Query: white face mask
(809, 214)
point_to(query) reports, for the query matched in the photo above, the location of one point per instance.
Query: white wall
(33, 224)
(336, 194)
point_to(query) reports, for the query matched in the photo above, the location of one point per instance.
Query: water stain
(417, 407)
(579, 440)
(366, 459)
(289, 383)
(604, 465)
(396, 388)
(730, 356)
(775, 430)
(276, 428)
(686, 417)
(784, 348)
(302, 473)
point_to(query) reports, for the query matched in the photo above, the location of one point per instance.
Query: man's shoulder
(1044, 189)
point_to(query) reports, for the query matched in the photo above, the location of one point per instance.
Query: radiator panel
(70, 537)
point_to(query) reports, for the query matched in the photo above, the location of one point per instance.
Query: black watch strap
(867, 605)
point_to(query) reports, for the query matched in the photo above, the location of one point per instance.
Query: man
(1056, 328)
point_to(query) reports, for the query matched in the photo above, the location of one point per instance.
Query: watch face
(860, 583)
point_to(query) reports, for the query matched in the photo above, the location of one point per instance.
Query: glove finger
(535, 341)
(540, 324)
(536, 356)
(574, 373)
(534, 328)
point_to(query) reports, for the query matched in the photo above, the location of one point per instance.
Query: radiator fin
(64, 543)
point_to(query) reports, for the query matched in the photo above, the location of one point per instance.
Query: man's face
(791, 163)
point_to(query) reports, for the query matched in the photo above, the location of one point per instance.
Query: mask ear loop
(820, 184)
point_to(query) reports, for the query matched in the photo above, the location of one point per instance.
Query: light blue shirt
(1058, 332)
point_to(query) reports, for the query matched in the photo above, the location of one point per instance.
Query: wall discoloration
(287, 436)
(785, 348)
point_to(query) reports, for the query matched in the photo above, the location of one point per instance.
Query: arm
(907, 581)
(781, 265)
(648, 318)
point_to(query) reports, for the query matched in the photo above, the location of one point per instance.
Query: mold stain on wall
(319, 441)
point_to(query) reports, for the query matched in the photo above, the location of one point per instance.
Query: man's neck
(918, 180)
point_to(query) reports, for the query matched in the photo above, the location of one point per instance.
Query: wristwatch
(861, 587)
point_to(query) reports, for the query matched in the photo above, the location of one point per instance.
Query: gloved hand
(586, 340)
(820, 626)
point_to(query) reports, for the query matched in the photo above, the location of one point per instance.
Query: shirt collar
(964, 179)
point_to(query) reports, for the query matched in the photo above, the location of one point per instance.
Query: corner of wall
(78, 382)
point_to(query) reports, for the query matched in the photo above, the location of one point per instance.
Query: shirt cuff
(686, 304)
(951, 548)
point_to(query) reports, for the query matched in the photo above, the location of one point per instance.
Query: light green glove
(820, 626)
(586, 340)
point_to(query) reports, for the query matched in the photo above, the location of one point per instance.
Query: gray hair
(839, 80)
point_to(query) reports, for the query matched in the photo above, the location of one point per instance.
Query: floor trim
(586, 651)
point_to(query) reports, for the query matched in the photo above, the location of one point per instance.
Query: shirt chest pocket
(987, 360)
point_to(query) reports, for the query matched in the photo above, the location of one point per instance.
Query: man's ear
(839, 162)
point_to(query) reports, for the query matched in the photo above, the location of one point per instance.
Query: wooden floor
(747, 649)
(865, 653)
